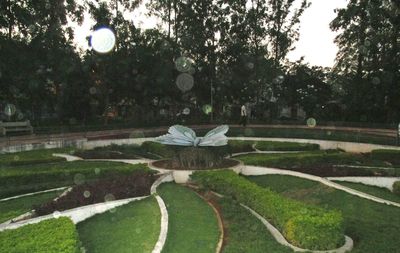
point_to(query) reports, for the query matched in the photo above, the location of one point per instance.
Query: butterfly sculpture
(184, 136)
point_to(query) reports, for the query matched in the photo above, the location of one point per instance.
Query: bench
(22, 126)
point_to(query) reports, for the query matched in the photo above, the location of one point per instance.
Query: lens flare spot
(207, 109)
(311, 122)
(185, 82)
(10, 110)
(103, 40)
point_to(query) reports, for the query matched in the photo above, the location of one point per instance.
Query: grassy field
(130, 228)
(193, 226)
(31, 178)
(244, 232)
(14, 207)
(374, 227)
(383, 193)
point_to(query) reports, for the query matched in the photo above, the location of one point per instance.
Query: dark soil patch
(135, 185)
(172, 165)
(331, 171)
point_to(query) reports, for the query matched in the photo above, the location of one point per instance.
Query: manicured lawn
(32, 157)
(193, 226)
(383, 193)
(374, 227)
(49, 236)
(31, 178)
(320, 160)
(12, 208)
(244, 232)
(236, 146)
(134, 227)
(116, 152)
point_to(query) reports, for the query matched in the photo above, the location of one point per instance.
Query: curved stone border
(76, 214)
(382, 182)
(348, 246)
(265, 152)
(164, 212)
(33, 193)
(128, 161)
(257, 171)
(69, 158)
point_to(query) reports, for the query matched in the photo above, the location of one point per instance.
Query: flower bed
(55, 235)
(134, 185)
(304, 226)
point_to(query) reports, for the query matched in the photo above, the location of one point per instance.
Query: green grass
(193, 226)
(32, 157)
(14, 207)
(30, 178)
(245, 233)
(380, 192)
(124, 151)
(130, 228)
(374, 227)
(49, 236)
(236, 146)
(316, 159)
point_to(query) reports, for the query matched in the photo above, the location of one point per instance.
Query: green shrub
(50, 236)
(304, 226)
(31, 157)
(238, 146)
(388, 155)
(159, 149)
(285, 146)
(396, 188)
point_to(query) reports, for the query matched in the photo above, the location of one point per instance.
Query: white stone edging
(257, 171)
(76, 214)
(348, 246)
(69, 158)
(33, 193)
(382, 182)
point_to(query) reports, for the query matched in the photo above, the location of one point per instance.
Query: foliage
(14, 207)
(128, 186)
(391, 156)
(285, 146)
(396, 188)
(379, 192)
(303, 225)
(361, 226)
(49, 236)
(23, 179)
(192, 225)
(31, 157)
(159, 149)
(132, 226)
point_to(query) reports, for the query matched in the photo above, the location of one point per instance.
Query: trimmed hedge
(388, 155)
(49, 236)
(159, 149)
(396, 188)
(305, 226)
(285, 146)
(31, 157)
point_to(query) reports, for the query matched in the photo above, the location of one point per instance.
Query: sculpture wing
(215, 137)
(178, 135)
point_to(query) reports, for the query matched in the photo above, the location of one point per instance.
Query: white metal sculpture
(184, 136)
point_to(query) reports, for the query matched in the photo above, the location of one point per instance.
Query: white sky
(316, 39)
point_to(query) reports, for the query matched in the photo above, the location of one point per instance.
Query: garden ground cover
(32, 157)
(322, 163)
(116, 152)
(244, 232)
(374, 227)
(237, 146)
(379, 192)
(12, 208)
(134, 227)
(193, 226)
(49, 236)
(31, 178)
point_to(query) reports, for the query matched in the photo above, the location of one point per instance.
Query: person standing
(243, 115)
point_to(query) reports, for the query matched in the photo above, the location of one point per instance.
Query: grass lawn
(237, 146)
(116, 152)
(30, 178)
(49, 236)
(14, 207)
(380, 192)
(130, 228)
(374, 227)
(32, 157)
(245, 233)
(193, 226)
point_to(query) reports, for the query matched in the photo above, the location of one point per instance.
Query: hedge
(396, 188)
(158, 149)
(388, 155)
(303, 225)
(285, 146)
(31, 157)
(49, 236)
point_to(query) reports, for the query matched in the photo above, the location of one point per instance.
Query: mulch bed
(171, 165)
(129, 186)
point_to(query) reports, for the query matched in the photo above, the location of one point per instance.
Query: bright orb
(103, 40)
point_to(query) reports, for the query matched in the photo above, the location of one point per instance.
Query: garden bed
(171, 165)
(135, 185)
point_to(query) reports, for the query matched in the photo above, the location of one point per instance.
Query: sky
(316, 42)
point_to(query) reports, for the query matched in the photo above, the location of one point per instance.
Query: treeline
(204, 60)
